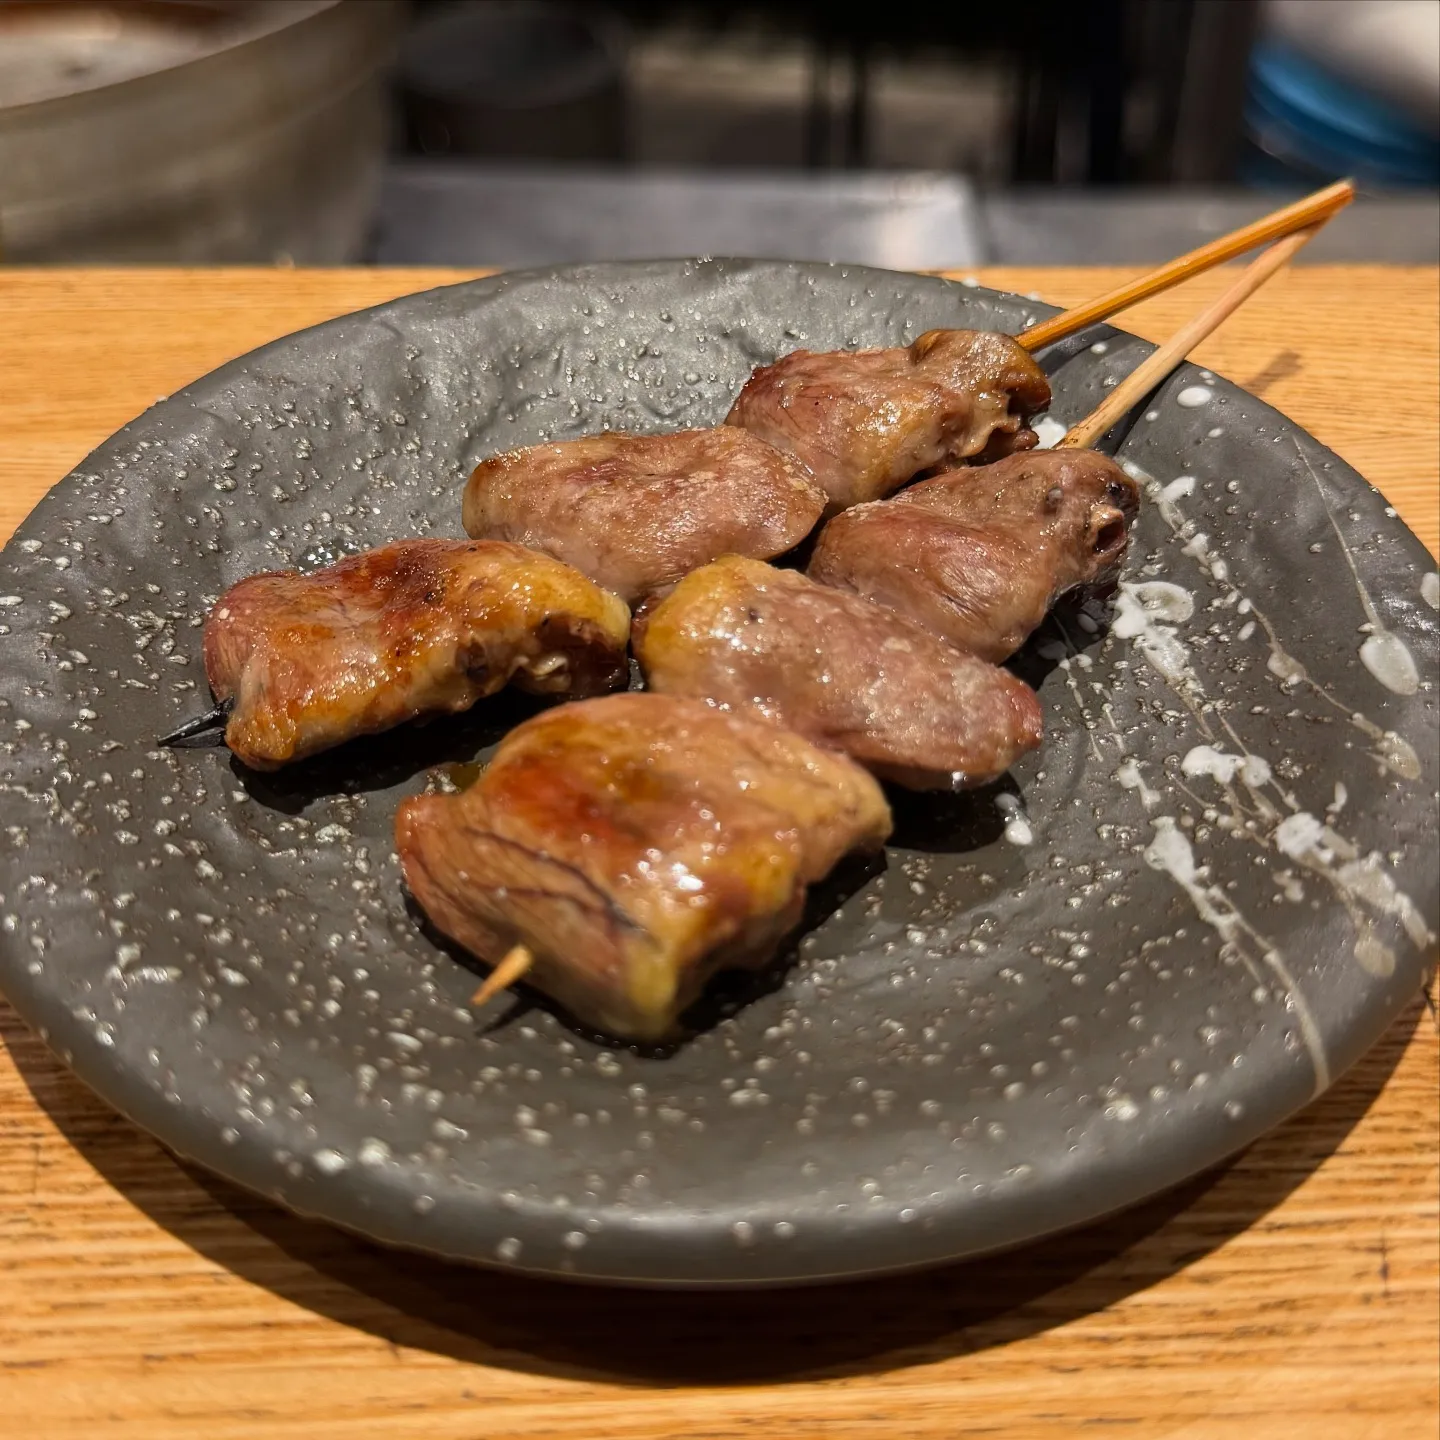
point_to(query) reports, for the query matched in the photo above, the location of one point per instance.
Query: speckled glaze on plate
(977, 1041)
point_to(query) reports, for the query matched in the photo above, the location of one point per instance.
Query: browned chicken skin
(635, 845)
(838, 670)
(866, 422)
(636, 511)
(419, 627)
(978, 556)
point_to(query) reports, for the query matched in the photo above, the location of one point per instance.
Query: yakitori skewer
(867, 422)
(809, 432)
(979, 554)
(981, 514)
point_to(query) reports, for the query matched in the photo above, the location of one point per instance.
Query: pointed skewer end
(199, 725)
(512, 966)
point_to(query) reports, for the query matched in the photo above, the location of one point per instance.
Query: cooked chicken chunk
(635, 845)
(978, 556)
(415, 628)
(866, 422)
(839, 670)
(636, 511)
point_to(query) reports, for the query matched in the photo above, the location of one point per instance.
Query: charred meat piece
(840, 671)
(416, 628)
(866, 422)
(635, 845)
(636, 511)
(979, 555)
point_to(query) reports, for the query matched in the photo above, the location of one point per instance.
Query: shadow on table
(677, 1338)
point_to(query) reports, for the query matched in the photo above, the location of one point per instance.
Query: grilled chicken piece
(636, 511)
(840, 671)
(977, 556)
(420, 627)
(635, 845)
(866, 422)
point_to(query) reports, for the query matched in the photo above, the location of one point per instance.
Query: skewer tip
(511, 967)
(200, 724)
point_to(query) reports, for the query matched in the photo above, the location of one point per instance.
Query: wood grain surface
(1292, 1292)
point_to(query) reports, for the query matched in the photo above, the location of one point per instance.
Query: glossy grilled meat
(840, 671)
(866, 422)
(979, 555)
(636, 511)
(636, 844)
(410, 629)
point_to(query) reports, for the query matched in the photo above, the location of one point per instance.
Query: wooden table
(1292, 1292)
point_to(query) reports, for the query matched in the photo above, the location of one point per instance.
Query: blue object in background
(1303, 122)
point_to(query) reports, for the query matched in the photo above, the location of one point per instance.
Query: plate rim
(143, 1105)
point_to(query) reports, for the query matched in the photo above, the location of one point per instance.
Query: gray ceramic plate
(979, 1042)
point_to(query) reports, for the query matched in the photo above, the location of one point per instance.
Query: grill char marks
(415, 628)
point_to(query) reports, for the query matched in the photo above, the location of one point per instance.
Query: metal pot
(204, 132)
(517, 80)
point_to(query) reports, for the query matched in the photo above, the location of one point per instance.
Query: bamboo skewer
(1155, 367)
(1307, 214)
(513, 964)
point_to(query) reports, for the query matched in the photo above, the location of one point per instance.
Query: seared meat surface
(979, 555)
(866, 422)
(415, 628)
(635, 845)
(839, 670)
(636, 511)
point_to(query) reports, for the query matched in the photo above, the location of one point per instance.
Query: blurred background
(507, 132)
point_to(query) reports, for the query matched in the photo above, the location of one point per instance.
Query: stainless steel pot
(202, 132)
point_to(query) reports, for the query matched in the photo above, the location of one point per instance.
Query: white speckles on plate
(1018, 830)
(1388, 659)
(1049, 429)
